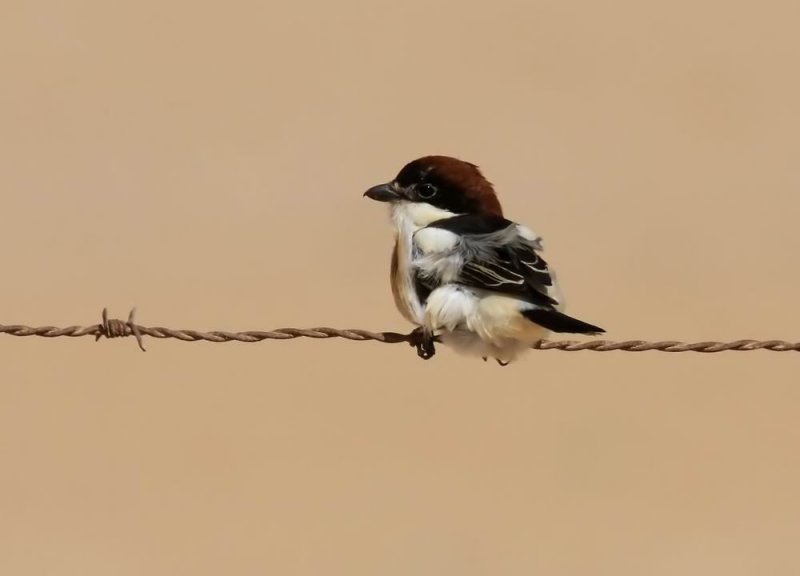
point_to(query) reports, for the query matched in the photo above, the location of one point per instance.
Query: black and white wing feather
(485, 252)
(493, 254)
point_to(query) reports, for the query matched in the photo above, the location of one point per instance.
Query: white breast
(408, 217)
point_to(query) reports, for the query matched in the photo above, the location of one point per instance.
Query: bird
(461, 272)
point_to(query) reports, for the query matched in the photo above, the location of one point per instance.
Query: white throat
(417, 214)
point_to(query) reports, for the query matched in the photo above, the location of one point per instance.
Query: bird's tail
(560, 322)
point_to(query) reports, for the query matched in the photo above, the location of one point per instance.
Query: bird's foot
(422, 340)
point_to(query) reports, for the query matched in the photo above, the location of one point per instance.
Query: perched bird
(463, 273)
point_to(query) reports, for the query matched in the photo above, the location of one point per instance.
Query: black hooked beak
(383, 193)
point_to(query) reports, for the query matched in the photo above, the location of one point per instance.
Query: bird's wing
(486, 252)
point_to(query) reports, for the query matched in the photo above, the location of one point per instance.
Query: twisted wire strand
(113, 328)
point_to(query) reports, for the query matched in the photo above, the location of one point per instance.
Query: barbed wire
(113, 328)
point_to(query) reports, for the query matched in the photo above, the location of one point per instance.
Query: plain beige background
(205, 162)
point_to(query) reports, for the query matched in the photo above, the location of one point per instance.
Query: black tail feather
(558, 322)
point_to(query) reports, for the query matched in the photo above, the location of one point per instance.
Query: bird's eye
(427, 191)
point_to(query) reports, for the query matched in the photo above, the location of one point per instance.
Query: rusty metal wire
(112, 328)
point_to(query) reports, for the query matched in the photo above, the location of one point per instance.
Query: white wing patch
(435, 240)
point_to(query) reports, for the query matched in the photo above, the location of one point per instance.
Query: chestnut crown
(444, 182)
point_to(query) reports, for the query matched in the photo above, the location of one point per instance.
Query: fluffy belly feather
(479, 323)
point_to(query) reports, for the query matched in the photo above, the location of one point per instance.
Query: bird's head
(443, 182)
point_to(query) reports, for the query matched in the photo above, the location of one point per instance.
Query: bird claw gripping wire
(423, 341)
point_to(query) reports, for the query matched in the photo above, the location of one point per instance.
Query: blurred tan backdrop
(206, 164)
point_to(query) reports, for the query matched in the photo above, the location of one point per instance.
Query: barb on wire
(117, 328)
(112, 328)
